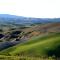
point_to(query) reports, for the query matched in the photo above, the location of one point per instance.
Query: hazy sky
(31, 8)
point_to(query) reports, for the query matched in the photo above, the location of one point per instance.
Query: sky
(31, 8)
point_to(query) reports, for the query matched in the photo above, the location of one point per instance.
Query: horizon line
(29, 16)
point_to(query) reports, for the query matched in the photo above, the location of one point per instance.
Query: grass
(37, 46)
(2, 57)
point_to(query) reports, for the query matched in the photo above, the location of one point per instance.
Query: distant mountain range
(6, 18)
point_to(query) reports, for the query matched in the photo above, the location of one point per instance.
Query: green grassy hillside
(45, 45)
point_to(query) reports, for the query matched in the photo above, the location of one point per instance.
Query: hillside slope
(47, 45)
(10, 36)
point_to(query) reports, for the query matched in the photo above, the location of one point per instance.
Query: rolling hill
(46, 45)
(11, 37)
(13, 19)
(27, 36)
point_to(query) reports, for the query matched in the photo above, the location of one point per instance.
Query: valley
(31, 37)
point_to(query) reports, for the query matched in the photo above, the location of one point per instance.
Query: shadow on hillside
(1, 36)
(15, 34)
(55, 52)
